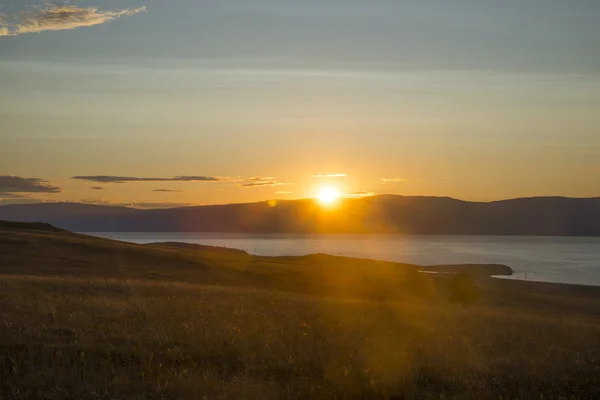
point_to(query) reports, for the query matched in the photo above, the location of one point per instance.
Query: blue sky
(473, 99)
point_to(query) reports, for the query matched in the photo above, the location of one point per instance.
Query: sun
(328, 195)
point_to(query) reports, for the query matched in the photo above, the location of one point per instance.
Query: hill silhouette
(547, 216)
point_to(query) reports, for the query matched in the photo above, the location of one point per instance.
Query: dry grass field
(84, 318)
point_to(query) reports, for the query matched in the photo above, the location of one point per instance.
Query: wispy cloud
(124, 179)
(13, 196)
(263, 183)
(98, 201)
(24, 200)
(390, 180)
(329, 175)
(260, 178)
(19, 198)
(595, 170)
(283, 192)
(165, 190)
(57, 17)
(17, 184)
(97, 188)
(360, 194)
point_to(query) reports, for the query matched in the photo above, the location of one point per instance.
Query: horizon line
(122, 205)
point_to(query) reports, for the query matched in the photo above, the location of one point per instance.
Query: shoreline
(433, 270)
(488, 272)
(62, 253)
(565, 259)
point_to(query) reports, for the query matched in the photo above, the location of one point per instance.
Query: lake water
(544, 259)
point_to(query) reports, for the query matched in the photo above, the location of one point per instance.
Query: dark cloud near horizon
(134, 204)
(126, 179)
(17, 184)
(97, 188)
(166, 190)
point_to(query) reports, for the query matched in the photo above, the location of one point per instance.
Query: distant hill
(547, 216)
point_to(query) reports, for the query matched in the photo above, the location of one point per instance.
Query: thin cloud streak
(97, 201)
(125, 179)
(5, 196)
(360, 194)
(26, 200)
(329, 176)
(166, 190)
(595, 170)
(157, 205)
(267, 183)
(134, 204)
(58, 17)
(390, 180)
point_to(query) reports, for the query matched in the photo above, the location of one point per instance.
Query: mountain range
(546, 216)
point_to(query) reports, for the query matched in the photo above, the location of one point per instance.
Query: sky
(157, 103)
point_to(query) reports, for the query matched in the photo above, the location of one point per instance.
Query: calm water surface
(543, 259)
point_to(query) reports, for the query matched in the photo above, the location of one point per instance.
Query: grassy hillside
(27, 249)
(88, 318)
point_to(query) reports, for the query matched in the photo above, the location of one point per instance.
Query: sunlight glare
(328, 195)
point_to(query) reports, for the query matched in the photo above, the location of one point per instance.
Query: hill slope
(89, 318)
(39, 249)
